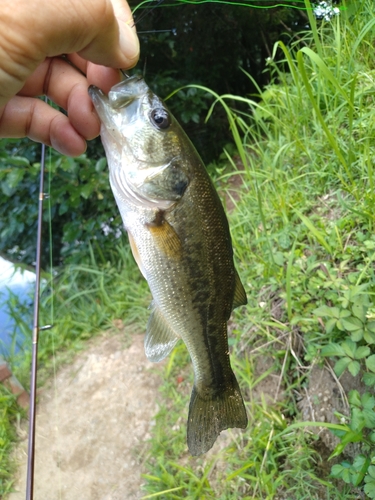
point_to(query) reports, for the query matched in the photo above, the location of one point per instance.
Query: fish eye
(160, 118)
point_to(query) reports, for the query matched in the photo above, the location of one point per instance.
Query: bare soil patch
(93, 424)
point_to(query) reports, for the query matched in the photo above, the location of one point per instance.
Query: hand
(95, 36)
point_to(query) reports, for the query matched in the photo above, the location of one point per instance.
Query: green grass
(303, 233)
(10, 415)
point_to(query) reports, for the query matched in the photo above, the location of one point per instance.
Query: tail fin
(209, 416)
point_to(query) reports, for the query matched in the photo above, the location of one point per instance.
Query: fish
(179, 236)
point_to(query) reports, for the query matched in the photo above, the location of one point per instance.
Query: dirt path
(95, 418)
(93, 425)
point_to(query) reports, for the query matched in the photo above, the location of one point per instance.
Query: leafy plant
(81, 210)
(369, 488)
(350, 355)
(362, 425)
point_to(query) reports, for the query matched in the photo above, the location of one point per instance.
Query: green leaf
(341, 365)
(360, 466)
(362, 352)
(331, 323)
(369, 416)
(357, 421)
(340, 326)
(18, 161)
(354, 398)
(354, 367)
(369, 336)
(369, 379)
(101, 164)
(327, 312)
(344, 313)
(15, 177)
(7, 190)
(359, 462)
(369, 489)
(371, 473)
(352, 324)
(86, 190)
(279, 258)
(359, 312)
(349, 347)
(337, 470)
(370, 363)
(333, 350)
(345, 476)
(357, 335)
(368, 401)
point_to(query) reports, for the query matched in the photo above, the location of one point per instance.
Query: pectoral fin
(160, 338)
(239, 298)
(166, 238)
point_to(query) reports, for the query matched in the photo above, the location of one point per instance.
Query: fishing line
(52, 315)
(146, 12)
(50, 241)
(144, 4)
(172, 30)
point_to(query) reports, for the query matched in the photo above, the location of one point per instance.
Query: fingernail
(129, 42)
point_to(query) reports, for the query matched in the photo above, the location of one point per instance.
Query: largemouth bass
(180, 239)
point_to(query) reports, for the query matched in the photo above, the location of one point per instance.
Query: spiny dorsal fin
(239, 298)
(166, 238)
(160, 338)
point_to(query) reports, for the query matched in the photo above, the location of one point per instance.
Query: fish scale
(180, 239)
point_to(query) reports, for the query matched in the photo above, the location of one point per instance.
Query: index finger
(67, 87)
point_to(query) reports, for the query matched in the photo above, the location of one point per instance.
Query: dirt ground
(93, 423)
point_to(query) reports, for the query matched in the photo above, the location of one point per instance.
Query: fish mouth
(125, 92)
(101, 103)
(129, 94)
(121, 95)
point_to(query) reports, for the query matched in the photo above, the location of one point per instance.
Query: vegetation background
(290, 143)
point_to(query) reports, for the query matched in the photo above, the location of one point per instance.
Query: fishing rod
(35, 333)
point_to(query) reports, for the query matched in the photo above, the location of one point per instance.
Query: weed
(302, 223)
(302, 226)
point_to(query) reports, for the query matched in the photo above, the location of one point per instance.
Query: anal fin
(160, 337)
